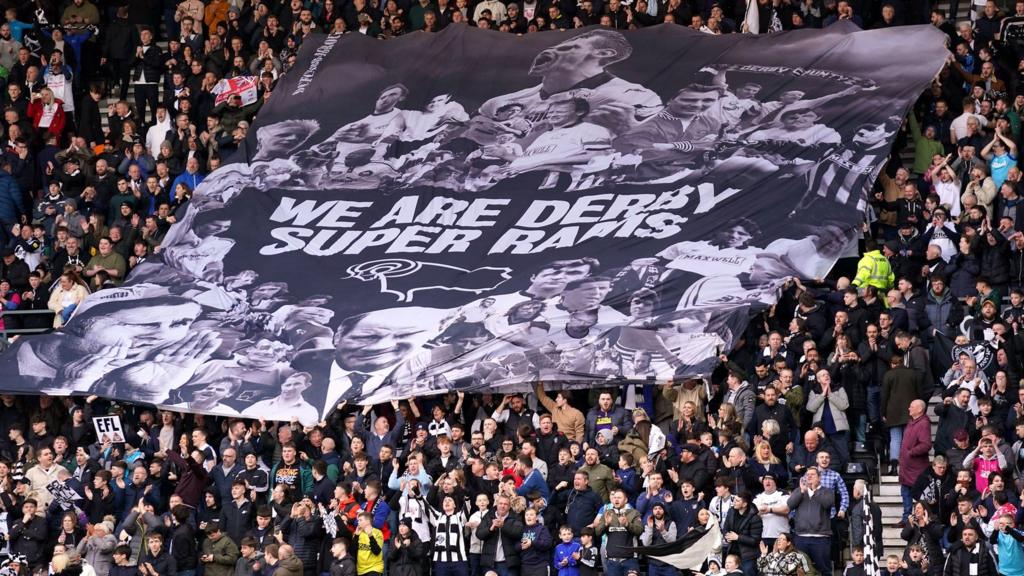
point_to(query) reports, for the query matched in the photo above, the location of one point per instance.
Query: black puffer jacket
(407, 559)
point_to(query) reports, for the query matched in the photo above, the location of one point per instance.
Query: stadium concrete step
(887, 495)
(115, 94)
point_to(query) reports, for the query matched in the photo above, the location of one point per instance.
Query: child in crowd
(629, 480)
(567, 553)
(892, 566)
(856, 567)
(589, 553)
(917, 565)
(733, 566)
(714, 567)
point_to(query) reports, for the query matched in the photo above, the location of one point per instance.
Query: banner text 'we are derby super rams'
(469, 210)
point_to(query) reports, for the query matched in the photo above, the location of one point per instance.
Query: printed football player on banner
(605, 206)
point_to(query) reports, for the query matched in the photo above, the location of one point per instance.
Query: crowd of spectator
(557, 481)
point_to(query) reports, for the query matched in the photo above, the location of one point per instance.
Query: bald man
(917, 442)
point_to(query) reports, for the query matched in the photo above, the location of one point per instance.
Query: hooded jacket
(290, 566)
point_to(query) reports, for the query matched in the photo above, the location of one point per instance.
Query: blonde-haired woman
(765, 462)
(690, 426)
(726, 415)
(65, 298)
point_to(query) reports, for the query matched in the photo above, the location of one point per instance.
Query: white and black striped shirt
(450, 543)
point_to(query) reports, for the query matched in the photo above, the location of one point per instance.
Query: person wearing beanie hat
(406, 555)
(941, 305)
(771, 505)
(659, 529)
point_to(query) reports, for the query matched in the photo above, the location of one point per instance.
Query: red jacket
(917, 441)
(35, 112)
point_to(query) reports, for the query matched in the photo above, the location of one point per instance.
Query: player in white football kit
(799, 126)
(731, 271)
(576, 68)
(733, 110)
(384, 125)
(570, 143)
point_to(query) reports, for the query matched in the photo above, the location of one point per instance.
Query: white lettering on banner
(329, 213)
(448, 225)
(318, 56)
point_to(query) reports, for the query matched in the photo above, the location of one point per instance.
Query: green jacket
(224, 552)
(924, 148)
(602, 479)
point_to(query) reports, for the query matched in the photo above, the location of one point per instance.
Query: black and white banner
(470, 210)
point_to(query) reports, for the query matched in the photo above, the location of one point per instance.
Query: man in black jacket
(183, 542)
(343, 564)
(28, 535)
(500, 530)
(148, 67)
(236, 516)
(117, 49)
(89, 119)
(156, 560)
(970, 556)
(916, 357)
(771, 409)
(14, 269)
(742, 532)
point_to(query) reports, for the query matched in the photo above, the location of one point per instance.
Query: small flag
(330, 522)
(871, 550)
(689, 552)
(244, 86)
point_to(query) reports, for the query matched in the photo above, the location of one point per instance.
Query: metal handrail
(5, 340)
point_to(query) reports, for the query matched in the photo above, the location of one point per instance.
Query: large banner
(470, 210)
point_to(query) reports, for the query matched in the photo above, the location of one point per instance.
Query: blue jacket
(565, 551)
(12, 207)
(539, 552)
(191, 180)
(645, 503)
(534, 482)
(581, 508)
(629, 481)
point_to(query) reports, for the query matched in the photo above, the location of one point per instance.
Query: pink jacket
(982, 467)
